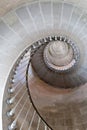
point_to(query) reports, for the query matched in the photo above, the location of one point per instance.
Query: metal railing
(22, 113)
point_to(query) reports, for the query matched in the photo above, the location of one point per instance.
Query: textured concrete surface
(62, 109)
(14, 36)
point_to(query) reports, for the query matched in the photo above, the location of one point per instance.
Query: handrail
(27, 85)
(12, 85)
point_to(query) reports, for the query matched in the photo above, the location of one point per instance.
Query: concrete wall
(12, 43)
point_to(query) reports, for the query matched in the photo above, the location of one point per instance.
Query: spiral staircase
(43, 65)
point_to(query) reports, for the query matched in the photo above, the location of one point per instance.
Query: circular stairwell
(30, 100)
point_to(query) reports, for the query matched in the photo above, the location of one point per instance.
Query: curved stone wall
(18, 30)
